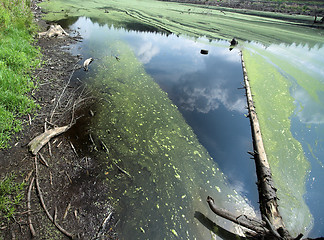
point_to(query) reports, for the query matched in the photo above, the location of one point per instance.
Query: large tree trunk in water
(267, 191)
(272, 226)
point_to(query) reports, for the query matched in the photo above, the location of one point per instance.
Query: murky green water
(149, 138)
(168, 173)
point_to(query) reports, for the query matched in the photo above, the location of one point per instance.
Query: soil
(69, 182)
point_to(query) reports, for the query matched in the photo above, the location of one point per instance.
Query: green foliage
(17, 58)
(11, 194)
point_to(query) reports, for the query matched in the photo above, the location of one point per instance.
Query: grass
(17, 59)
(11, 194)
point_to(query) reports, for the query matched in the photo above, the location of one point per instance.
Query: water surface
(175, 151)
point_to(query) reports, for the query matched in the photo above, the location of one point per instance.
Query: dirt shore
(68, 183)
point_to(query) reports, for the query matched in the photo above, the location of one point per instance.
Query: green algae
(193, 20)
(289, 166)
(170, 173)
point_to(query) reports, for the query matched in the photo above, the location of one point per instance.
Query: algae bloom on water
(170, 174)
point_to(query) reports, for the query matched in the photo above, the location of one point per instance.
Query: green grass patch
(17, 58)
(11, 194)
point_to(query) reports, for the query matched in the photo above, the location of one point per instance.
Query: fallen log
(267, 192)
(272, 226)
(38, 142)
(54, 31)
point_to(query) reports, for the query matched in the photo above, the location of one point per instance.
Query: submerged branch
(252, 224)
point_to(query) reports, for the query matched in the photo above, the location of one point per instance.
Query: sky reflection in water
(205, 88)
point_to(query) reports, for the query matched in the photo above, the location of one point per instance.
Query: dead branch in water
(252, 224)
(272, 226)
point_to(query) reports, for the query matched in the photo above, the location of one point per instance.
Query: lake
(192, 134)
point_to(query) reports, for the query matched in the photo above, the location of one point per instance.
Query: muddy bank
(68, 182)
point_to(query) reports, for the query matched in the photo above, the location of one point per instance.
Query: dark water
(204, 87)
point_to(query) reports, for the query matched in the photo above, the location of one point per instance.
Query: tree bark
(267, 192)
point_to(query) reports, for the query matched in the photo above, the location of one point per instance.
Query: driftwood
(54, 31)
(38, 142)
(272, 225)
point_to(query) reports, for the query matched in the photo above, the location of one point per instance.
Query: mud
(69, 182)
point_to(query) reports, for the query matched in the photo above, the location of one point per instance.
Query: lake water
(170, 178)
(205, 90)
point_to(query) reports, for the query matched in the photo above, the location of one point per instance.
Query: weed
(11, 194)
(17, 58)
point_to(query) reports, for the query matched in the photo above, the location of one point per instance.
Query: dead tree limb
(274, 227)
(31, 227)
(38, 142)
(254, 225)
(267, 192)
(40, 195)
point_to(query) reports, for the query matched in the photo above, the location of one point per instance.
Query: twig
(122, 170)
(119, 168)
(59, 227)
(67, 210)
(93, 143)
(43, 161)
(105, 146)
(73, 148)
(51, 178)
(40, 195)
(68, 176)
(49, 148)
(29, 118)
(103, 226)
(28, 175)
(31, 227)
(59, 99)
(229, 216)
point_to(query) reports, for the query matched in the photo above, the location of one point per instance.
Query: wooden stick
(38, 142)
(256, 226)
(73, 148)
(42, 159)
(49, 148)
(93, 143)
(40, 195)
(67, 210)
(103, 226)
(31, 227)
